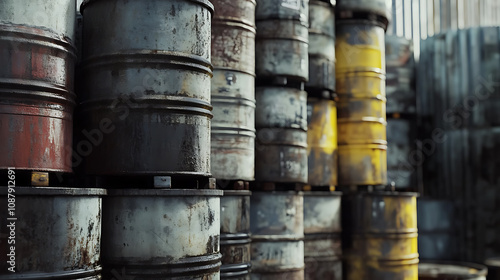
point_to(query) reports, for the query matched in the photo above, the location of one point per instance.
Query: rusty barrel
(493, 265)
(146, 87)
(360, 81)
(55, 232)
(381, 9)
(322, 142)
(161, 233)
(321, 46)
(451, 271)
(380, 240)
(38, 58)
(277, 227)
(281, 48)
(322, 231)
(401, 95)
(235, 235)
(281, 146)
(233, 91)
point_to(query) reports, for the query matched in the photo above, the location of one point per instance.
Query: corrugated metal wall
(424, 18)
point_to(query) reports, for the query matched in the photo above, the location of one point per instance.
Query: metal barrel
(146, 88)
(38, 57)
(360, 76)
(322, 231)
(161, 233)
(321, 46)
(400, 152)
(277, 227)
(380, 240)
(451, 271)
(493, 265)
(322, 142)
(282, 39)
(437, 238)
(56, 234)
(401, 96)
(281, 146)
(233, 92)
(235, 235)
(365, 8)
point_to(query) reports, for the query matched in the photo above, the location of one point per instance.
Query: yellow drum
(360, 46)
(382, 241)
(362, 165)
(322, 142)
(361, 84)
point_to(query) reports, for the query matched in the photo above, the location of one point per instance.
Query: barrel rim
(322, 193)
(205, 3)
(237, 193)
(481, 269)
(55, 191)
(262, 238)
(233, 270)
(59, 275)
(164, 192)
(493, 262)
(239, 24)
(386, 193)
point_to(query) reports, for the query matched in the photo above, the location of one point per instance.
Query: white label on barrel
(292, 4)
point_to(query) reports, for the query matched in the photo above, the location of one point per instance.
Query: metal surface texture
(281, 49)
(451, 271)
(277, 226)
(233, 92)
(362, 165)
(380, 240)
(38, 57)
(493, 265)
(321, 47)
(58, 233)
(401, 146)
(437, 238)
(400, 87)
(281, 155)
(162, 234)
(297, 10)
(281, 107)
(322, 142)
(150, 82)
(361, 8)
(322, 229)
(235, 235)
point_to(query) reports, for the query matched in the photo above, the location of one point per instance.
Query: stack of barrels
(42, 214)
(233, 128)
(145, 116)
(401, 113)
(379, 226)
(322, 244)
(282, 68)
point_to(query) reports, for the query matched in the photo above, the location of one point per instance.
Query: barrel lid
(237, 193)
(205, 3)
(164, 192)
(451, 270)
(53, 191)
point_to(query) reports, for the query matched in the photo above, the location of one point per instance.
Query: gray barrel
(437, 238)
(146, 87)
(235, 235)
(363, 8)
(37, 97)
(161, 234)
(282, 39)
(322, 229)
(277, 226)
(493, 265)
(281, 146)
(233, 92)
(400, 90)
(57, 233)
(400, 165)
(451, 271)
(321, 47)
